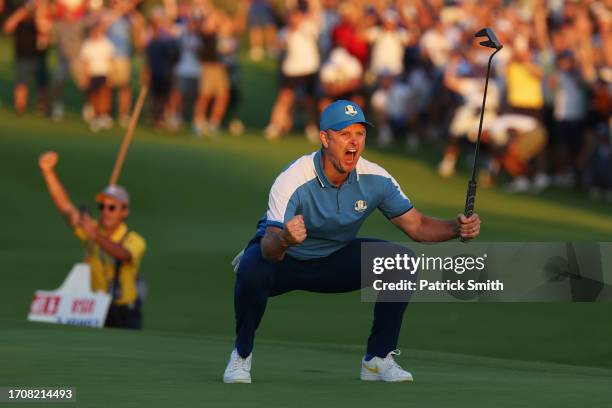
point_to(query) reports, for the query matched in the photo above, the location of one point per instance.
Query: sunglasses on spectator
(109, 207)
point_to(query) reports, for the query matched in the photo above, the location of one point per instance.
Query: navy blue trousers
(257, 280)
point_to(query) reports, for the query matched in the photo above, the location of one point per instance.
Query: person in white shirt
(298, 69)
(96, 57)
(330, 18)
(436, 45)
(187, 69)
(388, 45)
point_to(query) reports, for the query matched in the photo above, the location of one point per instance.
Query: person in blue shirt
(125, 30)
(306, 240)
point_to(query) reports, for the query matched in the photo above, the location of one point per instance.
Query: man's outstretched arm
(421, 228)
(47, 163)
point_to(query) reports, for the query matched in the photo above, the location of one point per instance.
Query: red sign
(45, 305)
(83, 306)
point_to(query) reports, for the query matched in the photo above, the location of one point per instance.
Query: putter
(491, 42)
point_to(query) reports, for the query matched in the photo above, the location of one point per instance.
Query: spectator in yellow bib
(112, 251)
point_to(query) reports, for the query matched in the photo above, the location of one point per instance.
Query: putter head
(492, 41)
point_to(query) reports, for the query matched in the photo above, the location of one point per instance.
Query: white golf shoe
(238, 369)
(384, 369)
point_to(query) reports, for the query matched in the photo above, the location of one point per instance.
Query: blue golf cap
(341, 114)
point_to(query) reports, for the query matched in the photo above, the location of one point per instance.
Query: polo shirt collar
(119, 233)
(322, 178)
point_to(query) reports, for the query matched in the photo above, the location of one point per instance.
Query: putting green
(161, 369)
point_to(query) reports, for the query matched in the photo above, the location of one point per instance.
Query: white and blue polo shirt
(333, 215)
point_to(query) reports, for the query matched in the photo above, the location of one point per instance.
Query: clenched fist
(295, 231)
(48, 160)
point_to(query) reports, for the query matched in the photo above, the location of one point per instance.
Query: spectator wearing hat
(112, 251)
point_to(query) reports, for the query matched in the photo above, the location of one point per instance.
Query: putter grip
(470, 199)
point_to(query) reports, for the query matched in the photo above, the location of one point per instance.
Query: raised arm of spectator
(145, 75)
(584, 69)
(114, 13)
(47, 163)
(240, 17)
(138, 29)
(587, 66)
(535, 69)
(130, 6)
(425, 19)
(585, 52)
(42, 17)
(212, 22)
(170, 9)
(14, 19)
(314, 11)
(540, 15)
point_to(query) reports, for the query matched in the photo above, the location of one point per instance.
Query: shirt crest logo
(360, 206)
(350, 110)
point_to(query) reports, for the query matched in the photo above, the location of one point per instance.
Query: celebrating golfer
(112, 251)
(307, 239)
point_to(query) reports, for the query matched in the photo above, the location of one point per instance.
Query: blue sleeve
(394, 202)
(289, 213)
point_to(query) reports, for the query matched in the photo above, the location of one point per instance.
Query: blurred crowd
(414, 65)
(188, 49)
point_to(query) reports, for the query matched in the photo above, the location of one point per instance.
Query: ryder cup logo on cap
(341, 114)
(350, 110)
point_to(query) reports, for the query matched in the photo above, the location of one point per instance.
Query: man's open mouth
(349, 155)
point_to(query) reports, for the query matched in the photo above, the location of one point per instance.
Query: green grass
(174, 369)
(197, 203)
